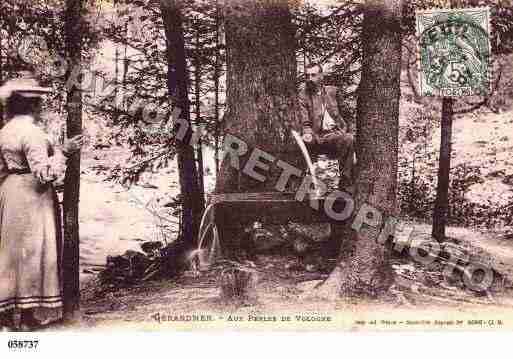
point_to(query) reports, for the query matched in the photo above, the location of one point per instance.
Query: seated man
(336, 142)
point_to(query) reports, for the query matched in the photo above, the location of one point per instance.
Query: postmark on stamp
(454, 51)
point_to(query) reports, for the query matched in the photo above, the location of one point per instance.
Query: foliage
(35, 30)
(22, 19)
(417, 195)
(137, 32)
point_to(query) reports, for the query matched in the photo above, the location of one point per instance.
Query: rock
(126, 268)
(508, 180)
(317, 232)
(265, 240)
(131, 239)
(238, 283)
(151, 248)
(148, 186)
(301, 245)
(496, 173)
(311, 268)
(309, 285)
(134, 267)
(295, 266)
(101, 146)
(175, 257)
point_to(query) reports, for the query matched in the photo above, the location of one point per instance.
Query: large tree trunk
(261, 96)
(1, 78)
(441, 210)
(71, 285)
(217, 76)
(261, 85)
(192, 201)
(363, 268)
(197, 113)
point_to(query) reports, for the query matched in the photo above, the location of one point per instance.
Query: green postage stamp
(454, 51)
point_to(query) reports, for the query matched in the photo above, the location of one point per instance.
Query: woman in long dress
(30, 225)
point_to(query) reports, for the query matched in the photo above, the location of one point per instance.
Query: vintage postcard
(238, 165)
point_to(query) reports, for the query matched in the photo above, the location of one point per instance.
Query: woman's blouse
(26, 148)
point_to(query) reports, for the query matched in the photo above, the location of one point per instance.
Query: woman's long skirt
(30, 247)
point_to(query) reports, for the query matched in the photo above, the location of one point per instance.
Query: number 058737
(23, 344)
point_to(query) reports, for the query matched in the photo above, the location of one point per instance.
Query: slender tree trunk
(364, 268)
(192, 202)
(412, 184)
(125, 56)
(441, 210)
(116, 71)
(71, 285)
(217, 75)
(126, 63)
(304, 60)
(197, 113)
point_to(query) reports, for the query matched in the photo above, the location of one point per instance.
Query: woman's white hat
(26, 86)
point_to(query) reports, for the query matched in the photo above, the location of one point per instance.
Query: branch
(416, 94)
(473, 107)
(325, 19)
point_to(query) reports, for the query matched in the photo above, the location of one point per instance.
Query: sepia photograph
(255, 165)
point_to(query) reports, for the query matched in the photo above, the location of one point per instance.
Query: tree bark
(363, 267)
(1, 79)
(197, 112)
(116, 71)
(71, 255)
(261, 87)
(192, 201)
(441, 210)
(261, 98)
(217, 75)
